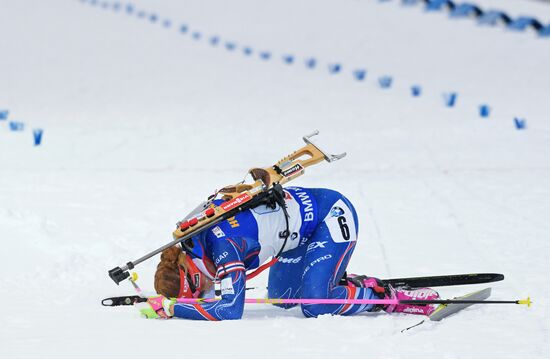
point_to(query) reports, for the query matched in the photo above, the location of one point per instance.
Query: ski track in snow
(380, 243)
(142, 123)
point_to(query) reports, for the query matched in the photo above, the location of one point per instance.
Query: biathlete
(311, 241)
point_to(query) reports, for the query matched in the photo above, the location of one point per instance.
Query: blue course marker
(409, 2)
(4, 115)
(230, 46)
(416, 91)
(184, 29)
(360, 74)
(523, 23)
(247, 51)
(465, 10)
(288, 59)
(520, 123)
(129, 8)
(167, 23)
(153, 18)
(334, 68)
(17, 126)
(37, 136)
(450, 99)
(493, 18)
(265, 55)
(214, 40)
(545, 31)
(196, 35)
(484, 110)
(438, 5)
(385, 82)
(116, 6)
(311, 63)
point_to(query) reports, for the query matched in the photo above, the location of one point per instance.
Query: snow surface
(141, 122)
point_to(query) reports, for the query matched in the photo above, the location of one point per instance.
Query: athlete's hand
(157, 307)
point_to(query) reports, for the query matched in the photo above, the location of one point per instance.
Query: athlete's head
(177, 276)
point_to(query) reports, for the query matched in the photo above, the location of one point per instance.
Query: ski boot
(386, 291)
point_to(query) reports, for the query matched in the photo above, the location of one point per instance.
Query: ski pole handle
(132, 299)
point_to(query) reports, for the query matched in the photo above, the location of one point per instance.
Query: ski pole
(128, 300)
(526, 301)
(133, 279)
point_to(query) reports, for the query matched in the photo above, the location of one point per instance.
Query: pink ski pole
(526, 301)
(293, 301)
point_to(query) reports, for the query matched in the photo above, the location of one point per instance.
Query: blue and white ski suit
(323, 232)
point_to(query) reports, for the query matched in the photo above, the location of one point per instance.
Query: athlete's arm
(231, 305)
(228, 257)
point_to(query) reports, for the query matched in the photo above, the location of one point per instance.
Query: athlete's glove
(157, 307)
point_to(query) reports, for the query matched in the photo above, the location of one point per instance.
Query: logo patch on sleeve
(218, 232)
(227, 286)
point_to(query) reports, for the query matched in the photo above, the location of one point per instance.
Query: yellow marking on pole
(526, 301)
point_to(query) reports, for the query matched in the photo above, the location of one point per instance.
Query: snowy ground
(142, 122)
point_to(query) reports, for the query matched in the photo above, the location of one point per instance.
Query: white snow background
(141, 122)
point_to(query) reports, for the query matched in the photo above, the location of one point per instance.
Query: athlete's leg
(285, 276)
(327, 256)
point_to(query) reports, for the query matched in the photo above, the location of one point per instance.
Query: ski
(445, 280)
(444, 310)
